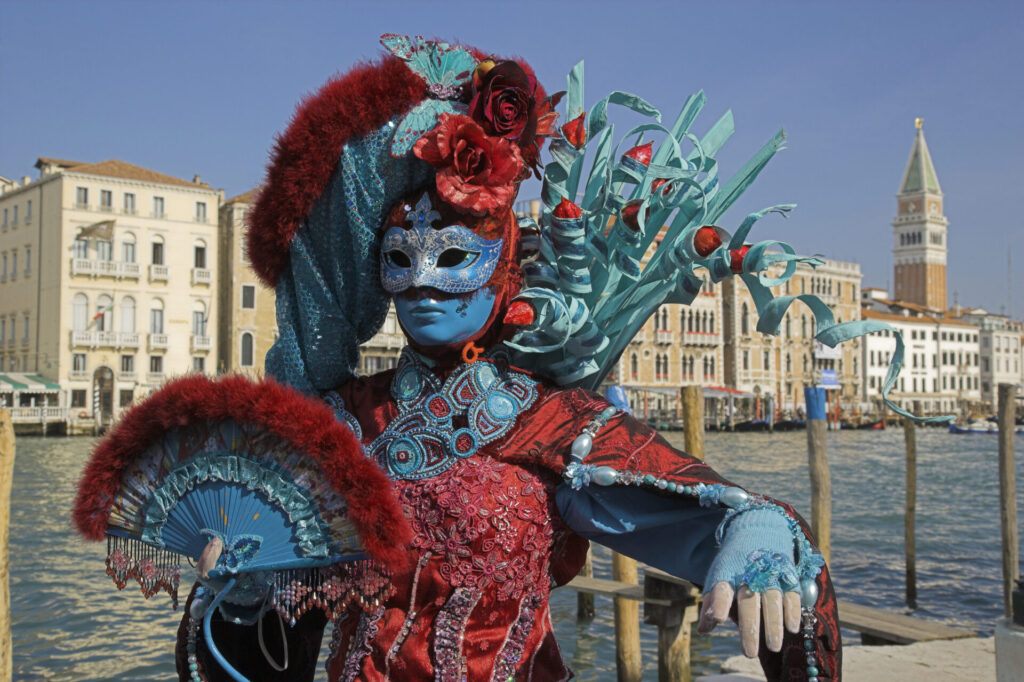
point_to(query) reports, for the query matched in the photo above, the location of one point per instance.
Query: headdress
(366, 140)
(472, 124)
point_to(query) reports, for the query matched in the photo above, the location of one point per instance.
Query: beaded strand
(578, 475)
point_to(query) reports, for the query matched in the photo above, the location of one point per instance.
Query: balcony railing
(701, 338)
(201, 276)
(78, 375)
(386, 340)
(663, 336)
(126, 376)
(154, 377)
(200, 342)
(157, 341)
(104, 268)
(98, 339)
(158, 273)
(31, 415)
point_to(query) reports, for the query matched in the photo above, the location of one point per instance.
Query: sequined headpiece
(427, 114)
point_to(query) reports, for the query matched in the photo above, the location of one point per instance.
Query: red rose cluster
(482, 157)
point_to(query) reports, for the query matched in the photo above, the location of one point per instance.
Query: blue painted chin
(434, 319)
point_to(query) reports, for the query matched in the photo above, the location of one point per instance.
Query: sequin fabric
(330, 299)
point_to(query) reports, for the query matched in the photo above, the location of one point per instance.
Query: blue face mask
(453, 259)
(433, 320)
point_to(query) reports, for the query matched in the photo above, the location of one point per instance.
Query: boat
(979, 426)
(790, 424)
(751, 425)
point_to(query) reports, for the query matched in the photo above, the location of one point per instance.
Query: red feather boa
(306, 154)
(306, 423)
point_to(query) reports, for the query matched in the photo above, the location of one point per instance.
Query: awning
(653, 389)
(29, 383)
(725, 392)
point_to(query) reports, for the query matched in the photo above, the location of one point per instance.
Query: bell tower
(919, 232)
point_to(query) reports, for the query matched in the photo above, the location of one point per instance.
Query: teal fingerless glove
(756, 549)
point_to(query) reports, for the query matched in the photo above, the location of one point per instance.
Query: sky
(193, 87)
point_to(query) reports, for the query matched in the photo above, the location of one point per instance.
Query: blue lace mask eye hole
(397, 259)
(456, 259)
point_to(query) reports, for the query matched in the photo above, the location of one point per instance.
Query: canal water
(71, 623)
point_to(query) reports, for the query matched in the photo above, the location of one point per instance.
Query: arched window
(744, 323)
(246, 360)
(128, 247)
(79, 313)
(199, 254)
(156, 316)
(803, 326)
(104, 316)
(199, 319)
(128, 314)
(805, 364)
(633, 365)
(789, 363)
(711, 323)
(712, 365)
(789, 327)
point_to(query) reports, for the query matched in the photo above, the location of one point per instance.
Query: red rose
(476, 173)
(504, 103)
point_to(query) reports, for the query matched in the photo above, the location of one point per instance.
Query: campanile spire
(919, 231)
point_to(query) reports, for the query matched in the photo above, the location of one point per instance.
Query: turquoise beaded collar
(441, 423)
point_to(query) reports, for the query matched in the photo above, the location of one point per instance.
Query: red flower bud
(630, 214)
(736, 258)
(658, 183)
(641, 153)
(575, 131)
(567, 210)
(520, 314)
(706, 241)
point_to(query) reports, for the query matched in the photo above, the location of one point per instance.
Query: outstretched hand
(776, 608)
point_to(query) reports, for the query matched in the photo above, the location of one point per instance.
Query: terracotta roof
(113, 168)
(868, 313)
(245, 197)
(46, 160)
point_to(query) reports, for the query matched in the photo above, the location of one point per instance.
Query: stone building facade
(780, 366)
(107, 280)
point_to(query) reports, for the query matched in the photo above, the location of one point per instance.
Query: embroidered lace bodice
(474, 603)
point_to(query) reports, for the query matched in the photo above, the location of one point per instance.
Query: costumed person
(473, 475)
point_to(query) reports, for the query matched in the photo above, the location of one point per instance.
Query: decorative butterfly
(238, 550)
(445, 69)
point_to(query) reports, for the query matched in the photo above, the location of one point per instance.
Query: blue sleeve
(673, 534)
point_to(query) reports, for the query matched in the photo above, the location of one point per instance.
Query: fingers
(748, 607)
(791, 607)
(771, 604)
(715, 608)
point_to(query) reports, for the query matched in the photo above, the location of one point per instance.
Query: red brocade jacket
(489, 545)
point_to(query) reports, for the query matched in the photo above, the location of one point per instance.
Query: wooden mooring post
(627, 622)
(6, 476)
(1008, 494)
(910, 511)
(585, 600)
(821, 479)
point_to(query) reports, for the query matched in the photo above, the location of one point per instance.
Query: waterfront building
(779, 367)
(941, 365)
(680, 345)
(247, 325)
(919, 231)
(106, 280)
(1000, 352)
